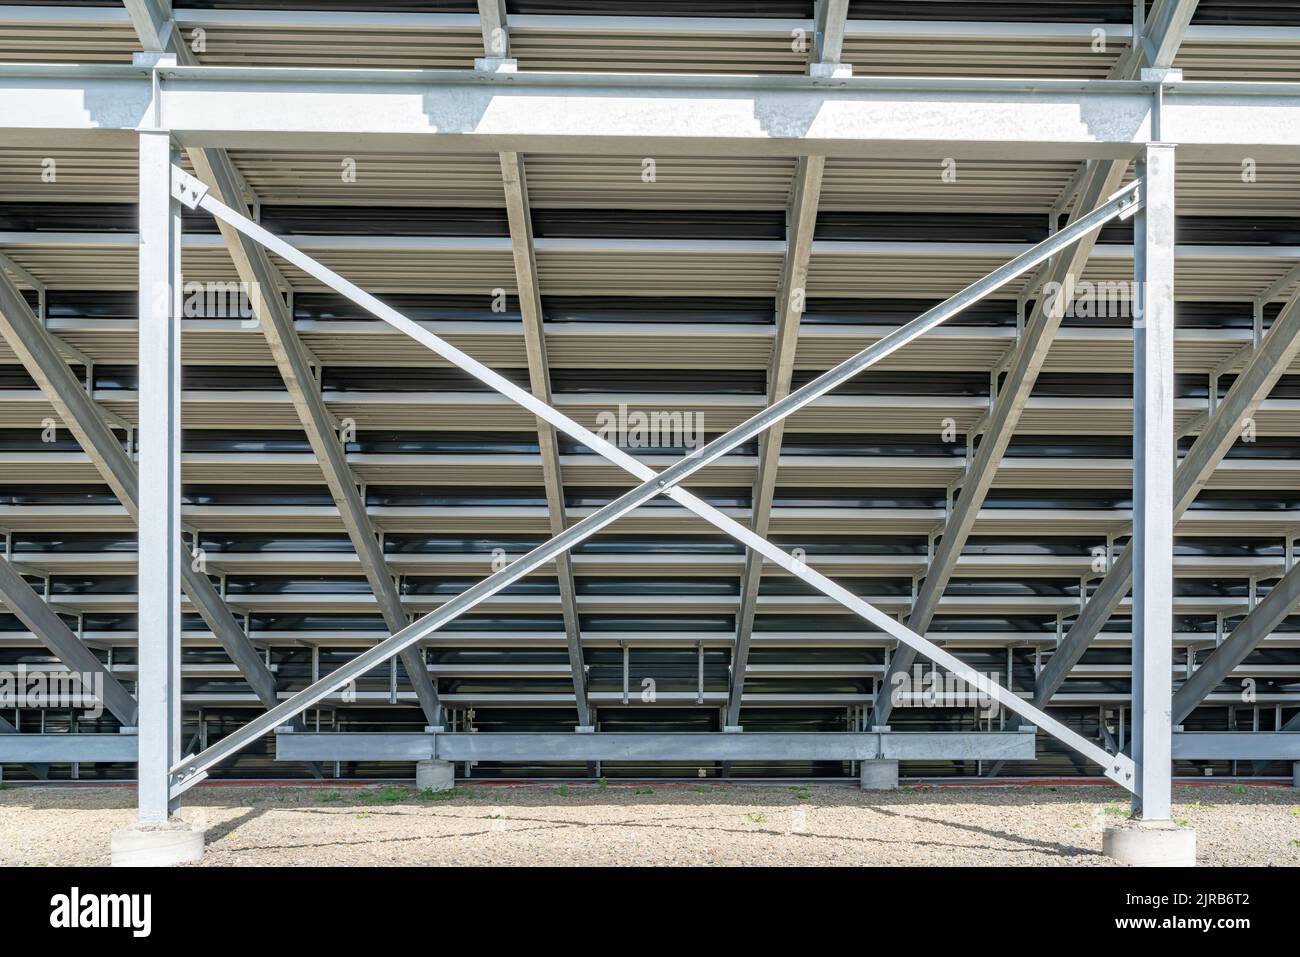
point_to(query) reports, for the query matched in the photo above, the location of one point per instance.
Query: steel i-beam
(194, 194)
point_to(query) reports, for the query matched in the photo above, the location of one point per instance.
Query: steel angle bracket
(187, 189)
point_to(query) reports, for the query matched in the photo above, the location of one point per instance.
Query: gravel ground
(654, 823)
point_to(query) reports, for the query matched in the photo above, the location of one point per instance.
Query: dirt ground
(648, 824)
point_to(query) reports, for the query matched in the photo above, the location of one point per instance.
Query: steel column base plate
(1150, 844)
(161, 845)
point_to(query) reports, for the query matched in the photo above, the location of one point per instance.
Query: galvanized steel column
(1153, 483)
(160, 487)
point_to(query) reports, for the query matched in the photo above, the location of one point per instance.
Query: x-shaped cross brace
(194, 194)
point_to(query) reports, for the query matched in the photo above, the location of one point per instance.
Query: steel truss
(191, 192)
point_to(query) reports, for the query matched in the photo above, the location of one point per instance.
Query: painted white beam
(617, 114)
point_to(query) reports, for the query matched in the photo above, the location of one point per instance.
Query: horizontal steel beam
(331, 21)
(614, 114)
(609, 746)
(353, 746)
(615, 746)
(1236, 746)
(66, 748)
(575, 246)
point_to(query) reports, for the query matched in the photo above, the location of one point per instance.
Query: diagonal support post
(1233, 414)
(515, 181)
(43, 622)
(1157, 38)
(1023, 371)
(1280, 602)
(802, 223)
(194, 194)
(37, 349)
(156, 28)
(260, 276)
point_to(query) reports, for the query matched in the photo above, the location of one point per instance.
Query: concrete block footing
(435, 775)
(880, 774)
(157, 845)
(1150, 844)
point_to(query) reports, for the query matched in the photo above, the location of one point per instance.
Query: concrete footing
(879, 775)
(435, 775)
(1150, 844)
(157, 845)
